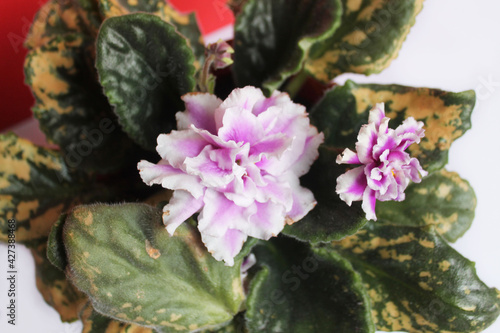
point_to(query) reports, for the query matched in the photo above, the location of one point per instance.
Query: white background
(455, 46)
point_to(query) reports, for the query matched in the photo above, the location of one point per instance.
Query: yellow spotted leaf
(369, 38)
(442, 200)
(34, 188)
(417, 282)
(446, 116)
(61, 17)
(122, 257)
(94, 322)
(70, 106)
(56, 290)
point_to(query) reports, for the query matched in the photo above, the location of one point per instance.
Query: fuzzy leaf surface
(301, 290)
(122, 257)
(272, 38)
(94, 322)
(443, 200)
(417, 282)
(369, 38)
(144, 66)
(446, 116)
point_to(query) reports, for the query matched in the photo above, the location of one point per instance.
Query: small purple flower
(237, 162)
(386, 168)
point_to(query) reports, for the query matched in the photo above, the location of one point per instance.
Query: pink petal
(303, 203)
(181, 206)
(268, 221)
(277, 190)
(241, 191)
(169, 177)
(367, 139)
(273, 145)
(225, 247)
(351, 185)
(179, 145)
(377, 113)
(309, 153)
(368, 204)
(348, 157)
(220, 214)
(240, 98)
(240, 125)
(209, 171)
(200, 109)
(214, 139)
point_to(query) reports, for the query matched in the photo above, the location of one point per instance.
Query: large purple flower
(386, 168)
(237, 162)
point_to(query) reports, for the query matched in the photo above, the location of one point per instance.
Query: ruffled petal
(268, 221)
(225, 247)
(170, 177)
(240, 98)
(303, 203)
(310, 152)
(179, 145)
(368, 204)
(348, 157)
(351, 185)
(220, 214)
(240, 125)
(181, 206)
(200, 109)
(367, 139)
(209, 171)
(376, 114)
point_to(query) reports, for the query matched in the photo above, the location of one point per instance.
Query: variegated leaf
(443, 200)
(417, 282)
(369, 38)
(302, 290)
(56, 290)
(94, 322)
(35, 188)
(58, 18)
(272, 38)
(446, 116)
(122, 257)
(71, 108)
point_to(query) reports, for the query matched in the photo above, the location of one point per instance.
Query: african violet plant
(277, 176)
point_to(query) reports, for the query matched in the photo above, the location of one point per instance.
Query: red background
(15, 18)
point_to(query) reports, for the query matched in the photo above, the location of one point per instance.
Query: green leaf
(35, 188)
(300, 290)
(185, 24)
(144, 67)
(272, 38)
(446, 115)
(331, 219)
(70, 106)
(238, 325)
(443, 200)
(56, 290)
(122, 257)
(417, 282)
(369, 38)
(94, 322)
(56, 253)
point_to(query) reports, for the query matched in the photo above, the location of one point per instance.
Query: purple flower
(386, 168)
(237, 162)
